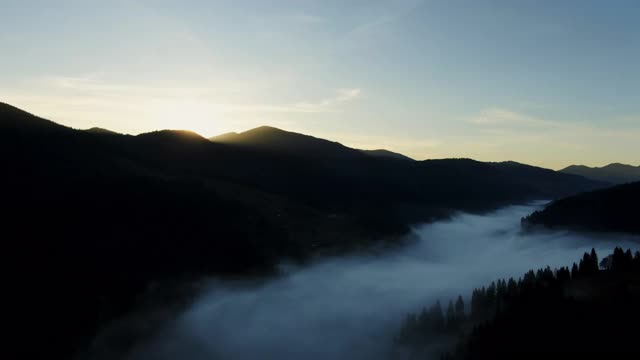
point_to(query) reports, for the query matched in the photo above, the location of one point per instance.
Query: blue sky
(550, 83)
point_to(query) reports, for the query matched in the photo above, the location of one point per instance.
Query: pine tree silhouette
(575, 273)
(460, 309)
(437, 316)
(451, 316)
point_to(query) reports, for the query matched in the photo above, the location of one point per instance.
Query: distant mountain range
(95, 216)
(613, 173)
(318, 192)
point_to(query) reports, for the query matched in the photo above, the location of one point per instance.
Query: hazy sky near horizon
(549, 83)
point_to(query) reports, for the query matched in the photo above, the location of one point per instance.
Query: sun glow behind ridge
(183, 114)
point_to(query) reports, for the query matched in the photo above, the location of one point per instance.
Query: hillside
(612, 173)
(387, 154)
(268, 138)
(304, 178)
(606, 210)
(18, 121)
(97, 130)
(97, 217)
(593, 313)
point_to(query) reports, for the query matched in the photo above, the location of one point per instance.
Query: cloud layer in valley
(349, 308)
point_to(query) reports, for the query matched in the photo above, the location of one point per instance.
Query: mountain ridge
(275, 139)
(101, 131)
(615, 173)
(604, 210)
(130, 211)
(16, 119)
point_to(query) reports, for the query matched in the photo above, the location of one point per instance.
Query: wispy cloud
(304, 18)
(288, 18)
(90, 92)
(503, 120)
(91, 87)
(344, 95)
(330, 104)
(387, 16)
(559, 142)
(505, 117)
(326, 105)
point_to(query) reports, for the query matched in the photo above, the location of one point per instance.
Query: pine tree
(512, 288)
(451, 316)
(460, 308)
(575, 271)
(424, 322)
(618, 260)
(563, 274)
(475, 304)
(491, 298)
(437, 316)
(501, 289)
(594, 261)
(628, 258)
(583, 268)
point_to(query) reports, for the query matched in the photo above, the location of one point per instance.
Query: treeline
(579, 311)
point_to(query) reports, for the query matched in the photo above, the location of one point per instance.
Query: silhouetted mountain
(225, 138)
(20, 121)
(95, 218)
(173, 137)
(613, 209)
(101, 131)
(578, 313)
(273, 139)
(612, 173)
(387, 154)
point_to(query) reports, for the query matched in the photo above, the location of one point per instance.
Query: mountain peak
(267, 128)
(273, 139)
(619, 166)
(98, 130)
(14, 118)
(383, 153)
(183, 136)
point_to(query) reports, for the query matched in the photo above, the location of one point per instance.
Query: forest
(605, 210)
(588, 310)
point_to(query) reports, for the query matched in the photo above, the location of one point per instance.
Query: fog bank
(349, 308)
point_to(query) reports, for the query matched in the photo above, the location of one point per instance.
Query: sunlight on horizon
(427, 79)
(187, 115)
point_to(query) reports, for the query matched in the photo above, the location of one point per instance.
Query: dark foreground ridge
(585, 312)
(608, 210)
(95, 217)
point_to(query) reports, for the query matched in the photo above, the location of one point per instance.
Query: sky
(549, 83)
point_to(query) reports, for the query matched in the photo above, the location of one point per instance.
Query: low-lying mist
(351, 307)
